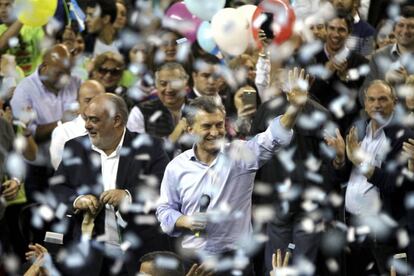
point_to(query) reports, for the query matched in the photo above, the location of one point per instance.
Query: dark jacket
(306, 143)
(141, 156)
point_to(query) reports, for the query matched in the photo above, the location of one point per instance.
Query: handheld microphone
(204, 202)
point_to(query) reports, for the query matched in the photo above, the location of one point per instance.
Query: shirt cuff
(279, 133)
(129, 196)
(74, 202)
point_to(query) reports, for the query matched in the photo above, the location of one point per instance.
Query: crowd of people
(126, 148)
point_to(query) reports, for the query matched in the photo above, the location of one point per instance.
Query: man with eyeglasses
(48, 96)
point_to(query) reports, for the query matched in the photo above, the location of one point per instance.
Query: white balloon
(248, 11)
(230, 31)
(204, 9)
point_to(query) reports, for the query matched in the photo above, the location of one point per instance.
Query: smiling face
(404, 32)
(209, 129)
(93, 20)
(101, 126)
(109, 74)
(336, 34)
(171, 84)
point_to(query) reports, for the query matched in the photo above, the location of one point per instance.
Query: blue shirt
(228, 180)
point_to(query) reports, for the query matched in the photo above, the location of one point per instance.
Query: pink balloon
(183, 21)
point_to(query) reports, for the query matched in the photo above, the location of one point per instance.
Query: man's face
(209, 129)
(319, 31)
(57, 73)
(171, 86)
(404, 32)
(109, 74)
(379, 102)
(205, 80)
(5, 10)
(100, 126)
(93, 20)
(346, 5)
(169, 46)
(86, 94)
(337, 33)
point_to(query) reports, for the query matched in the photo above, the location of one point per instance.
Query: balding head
(88, 90)
(55, 68)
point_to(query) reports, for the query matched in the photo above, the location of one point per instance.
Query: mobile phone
(249, 97)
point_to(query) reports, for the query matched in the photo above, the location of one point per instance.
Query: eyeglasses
(113, 71)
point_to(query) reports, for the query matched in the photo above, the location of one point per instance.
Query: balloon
(183, 21)
(204, 9)
(230, 31)
(205, 38)
(35, 13)
(248, 11)
(281, 21)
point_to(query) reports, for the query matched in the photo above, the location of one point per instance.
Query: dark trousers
(37, 180)
(364, 253)
(284, 230)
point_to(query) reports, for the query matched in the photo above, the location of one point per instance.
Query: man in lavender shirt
(222, 173)
(47, 96)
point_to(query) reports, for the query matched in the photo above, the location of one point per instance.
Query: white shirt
(101, 48)
(136, 121)
(109, 170)
(63, 133)
(362, 197)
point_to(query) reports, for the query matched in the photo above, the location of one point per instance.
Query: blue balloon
(205, 38)
(204, 9)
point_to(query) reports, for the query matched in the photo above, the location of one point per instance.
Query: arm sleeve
(262, 80)
(265, 144)
(136, 121)
(169, 204)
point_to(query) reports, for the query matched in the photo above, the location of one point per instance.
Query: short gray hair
(208, 104)
(117, 106)
(381, 82)
(172, 66)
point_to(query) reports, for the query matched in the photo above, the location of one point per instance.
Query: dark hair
(208, 104)
(108, 7)
(164, 271)
(407, 10)
(172, 66)
(347, 17)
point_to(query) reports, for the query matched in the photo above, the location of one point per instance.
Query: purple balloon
(185, 22)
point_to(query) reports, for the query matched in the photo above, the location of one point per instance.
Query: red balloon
(282, 21)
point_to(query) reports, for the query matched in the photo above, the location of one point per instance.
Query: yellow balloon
(35, 13)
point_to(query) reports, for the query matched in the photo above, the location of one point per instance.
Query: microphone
(204, 202)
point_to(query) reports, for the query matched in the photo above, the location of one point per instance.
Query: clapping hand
(353, 147)
(338, 144)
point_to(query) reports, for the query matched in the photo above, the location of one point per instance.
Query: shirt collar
(198, 94)
(395, 51)
(193, 156)
(380, 129)
(356, 18)
(116, 152)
